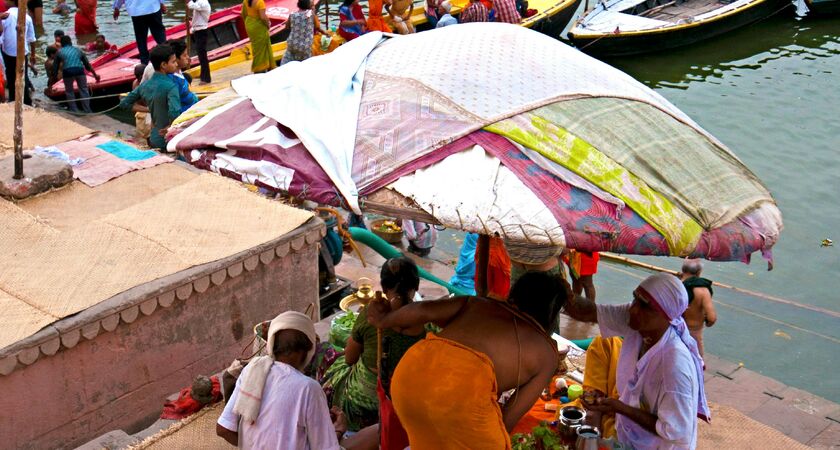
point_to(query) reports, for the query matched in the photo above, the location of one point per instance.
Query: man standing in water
(701, 310)
(146, 15)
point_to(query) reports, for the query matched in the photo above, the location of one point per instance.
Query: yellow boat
(551, 18)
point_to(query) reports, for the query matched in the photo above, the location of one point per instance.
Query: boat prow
(627, 27)
(227, 33)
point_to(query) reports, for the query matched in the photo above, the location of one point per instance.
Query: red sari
(86, 17)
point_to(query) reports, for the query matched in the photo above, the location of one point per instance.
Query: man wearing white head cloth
(659, 375)
(274, 405)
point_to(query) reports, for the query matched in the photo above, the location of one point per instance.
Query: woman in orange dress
(375, 21)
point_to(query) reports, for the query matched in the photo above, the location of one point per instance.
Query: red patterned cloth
(185, 405)
(476, 12)
(506, 12)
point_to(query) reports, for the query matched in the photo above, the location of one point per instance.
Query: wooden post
(327, 14)
(378, 298)
(189, 34)
(20, 85)
(482, 259)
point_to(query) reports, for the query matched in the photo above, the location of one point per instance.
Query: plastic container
(575, 391)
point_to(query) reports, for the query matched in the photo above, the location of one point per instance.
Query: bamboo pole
(482, 257)
(189, 34)
(20, 85)
(378, 298)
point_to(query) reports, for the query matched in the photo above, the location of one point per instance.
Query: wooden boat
(551, 18)
(823, 7)
(227, 33)
(626, 27)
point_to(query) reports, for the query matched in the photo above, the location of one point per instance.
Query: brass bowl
(352, 300)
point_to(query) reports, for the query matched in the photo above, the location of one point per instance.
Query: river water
(770, 92)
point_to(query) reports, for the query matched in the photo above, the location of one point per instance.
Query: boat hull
(823, 7)
(632, 43)
(117, 69)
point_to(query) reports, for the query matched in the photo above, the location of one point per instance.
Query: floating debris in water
(782, 334)
(827, 243)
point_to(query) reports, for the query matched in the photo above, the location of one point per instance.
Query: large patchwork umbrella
(488, 128)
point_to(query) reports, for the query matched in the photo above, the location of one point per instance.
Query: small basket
(391, 237)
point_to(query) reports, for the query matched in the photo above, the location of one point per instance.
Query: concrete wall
(119, 379)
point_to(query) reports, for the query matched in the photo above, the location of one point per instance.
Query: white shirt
(9, 38)
(446, 20)
(201, 14)
(293, 414)
(666, 384)
(139, 7)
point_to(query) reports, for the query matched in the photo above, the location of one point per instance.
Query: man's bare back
(487, 327)
(701, 312)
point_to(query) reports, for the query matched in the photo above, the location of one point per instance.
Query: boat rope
(587, 45)
(746, 311)
(89, 98)
(82, 114)
(759, 295)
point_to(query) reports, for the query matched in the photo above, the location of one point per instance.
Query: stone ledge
(40, 174)
(145, 299)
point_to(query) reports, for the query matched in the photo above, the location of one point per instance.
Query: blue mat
(127, 152)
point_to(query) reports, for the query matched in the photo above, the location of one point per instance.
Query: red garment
(476, 12)
(85, 19)
(356, 13)
(91, 46)
(506, 12)
(185, 405)
(392, 436)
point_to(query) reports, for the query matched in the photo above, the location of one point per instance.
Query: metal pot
(588, 438)
(569, 419)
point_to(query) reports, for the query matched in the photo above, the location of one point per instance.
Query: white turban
(667, 294)
(250, 396)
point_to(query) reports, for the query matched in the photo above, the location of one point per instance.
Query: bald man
(701, 309)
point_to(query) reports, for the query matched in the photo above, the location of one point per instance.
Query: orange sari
(375, 22)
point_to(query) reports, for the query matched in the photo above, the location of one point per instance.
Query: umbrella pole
(20, 85)
(482, 257)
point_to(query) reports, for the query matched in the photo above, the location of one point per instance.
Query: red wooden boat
(227, 32)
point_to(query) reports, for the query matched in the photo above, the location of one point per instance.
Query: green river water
(770, 92)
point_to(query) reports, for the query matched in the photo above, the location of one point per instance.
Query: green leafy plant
(542, 437)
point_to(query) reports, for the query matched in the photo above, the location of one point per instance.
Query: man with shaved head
(701, 309)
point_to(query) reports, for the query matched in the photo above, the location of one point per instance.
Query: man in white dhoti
(659, 375)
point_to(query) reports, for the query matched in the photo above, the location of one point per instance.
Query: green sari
(262, 56)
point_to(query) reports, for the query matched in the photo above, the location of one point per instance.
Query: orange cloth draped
(601, 365)
(85, 19)
(446, 397)
(375, 22)
(498, 269)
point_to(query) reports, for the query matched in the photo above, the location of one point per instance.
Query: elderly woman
(355, 390)
(658, 371)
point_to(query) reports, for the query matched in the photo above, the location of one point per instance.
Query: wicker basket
(391, 237)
